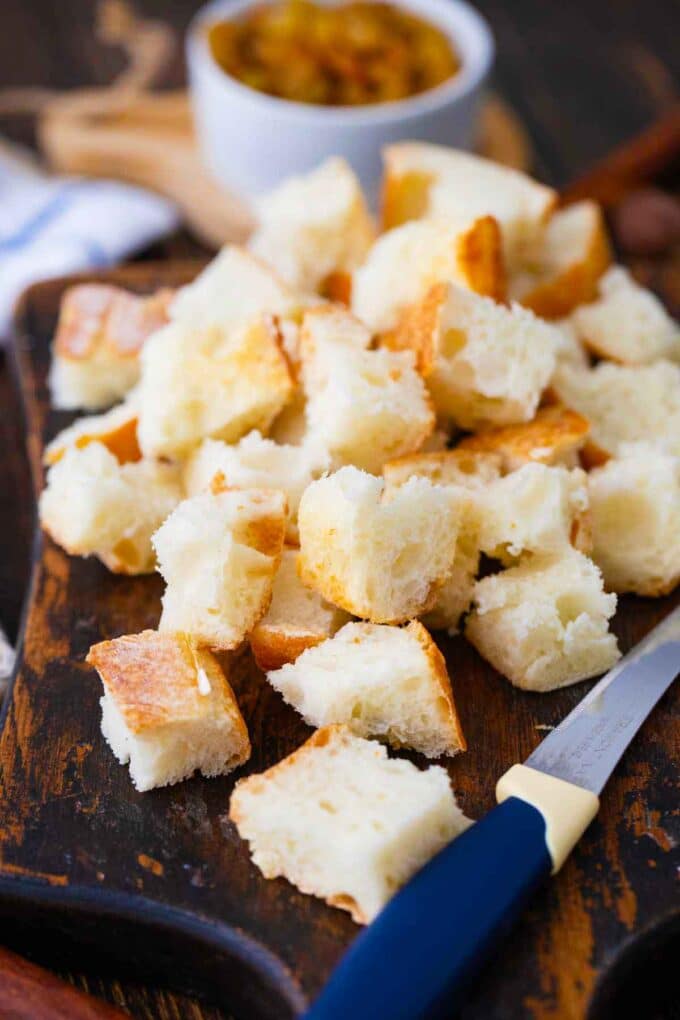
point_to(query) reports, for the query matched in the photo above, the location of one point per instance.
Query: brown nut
(647, 222)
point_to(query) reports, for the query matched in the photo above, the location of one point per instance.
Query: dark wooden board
(93, 873)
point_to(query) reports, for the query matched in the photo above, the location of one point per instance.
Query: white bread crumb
(168, 709)
(342, 821)
(544, 624)
(385, 682)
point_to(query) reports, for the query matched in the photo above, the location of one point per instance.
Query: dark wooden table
(583, 77)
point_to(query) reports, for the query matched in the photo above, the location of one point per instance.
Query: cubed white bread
(455, 596)
(94, 506)
(536, 509)
(562, 269)
(365, 407)
(235, 287)
(570, 351)
(554, 436)
(332, 326)
(314, 226)
(297, 618)
(218, 553)
(115, 429)
(168, 708)
(381, 556)
(384, 682)
(95, 353)
(255, 462)
(544, 624)
(485, 364)
(210, 383)
(289, 428)
(422, 180)
(635, 505)
(627, 323)
(469, 469)
(406, 262)
(342, 821)
(624, 404)
(465, 471)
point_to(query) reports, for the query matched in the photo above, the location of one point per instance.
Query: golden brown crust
(404, 196)
(273, 646)
(95, 316)
(153, 679)
(440, 674)
(480, 258)
(266, 531)
(554, 436)
(556, 297)
(418, 329)
(120, 440)
(337, 287)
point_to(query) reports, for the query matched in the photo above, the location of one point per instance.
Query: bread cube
(94, 506)
(380, 556)
(485, 364)
(423, 180)
(95, 354)
(218, 553)
(571, 353)
(210, 383)
(297, 618)
(364, 406)
(535, 509)
(405, 263)
(385, 682)
(626, 322)
(467, 468)
(255, 462)
(115, 429)
(555, 436)
(234, 288)
(289, 428)
(635, 505)
(342, 821)
(314, 227)
(624, 404)
(168, 708)
(454, 598)
(544, 624)
(562, 270)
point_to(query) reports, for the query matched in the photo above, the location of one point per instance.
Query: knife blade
(587, 745)
(416, 959)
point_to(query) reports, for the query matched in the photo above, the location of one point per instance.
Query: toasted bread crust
(153, 680)
(417, 329)
(440, 674)
(403, 196)
(274, 646)
(337, 287)
(121, 440)
(441, 466)
(480, 256)
(94, 315)
(576, 284)
(555, 434)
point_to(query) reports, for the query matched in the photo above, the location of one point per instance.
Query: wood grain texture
(74, 831)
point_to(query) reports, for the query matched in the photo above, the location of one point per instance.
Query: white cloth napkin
(50, 226)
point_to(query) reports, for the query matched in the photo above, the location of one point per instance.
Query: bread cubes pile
(338, 439)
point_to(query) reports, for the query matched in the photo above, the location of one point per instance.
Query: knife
(416, 958)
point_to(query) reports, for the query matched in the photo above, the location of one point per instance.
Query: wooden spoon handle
(27, 992)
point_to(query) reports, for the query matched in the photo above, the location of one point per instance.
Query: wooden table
(583, 76)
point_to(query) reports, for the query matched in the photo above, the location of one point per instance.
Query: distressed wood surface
(70, 819)
(584, 77)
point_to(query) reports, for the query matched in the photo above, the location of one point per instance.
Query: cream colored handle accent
(568, 809)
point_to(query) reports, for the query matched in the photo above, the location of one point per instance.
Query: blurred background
(573, 80)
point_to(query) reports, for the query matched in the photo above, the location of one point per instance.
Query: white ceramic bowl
(252, 141)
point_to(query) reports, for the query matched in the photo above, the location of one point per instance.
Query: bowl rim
(456, 18)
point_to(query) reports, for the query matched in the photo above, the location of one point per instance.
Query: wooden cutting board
(159, 884)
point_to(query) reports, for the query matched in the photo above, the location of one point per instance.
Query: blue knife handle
(418, 955)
